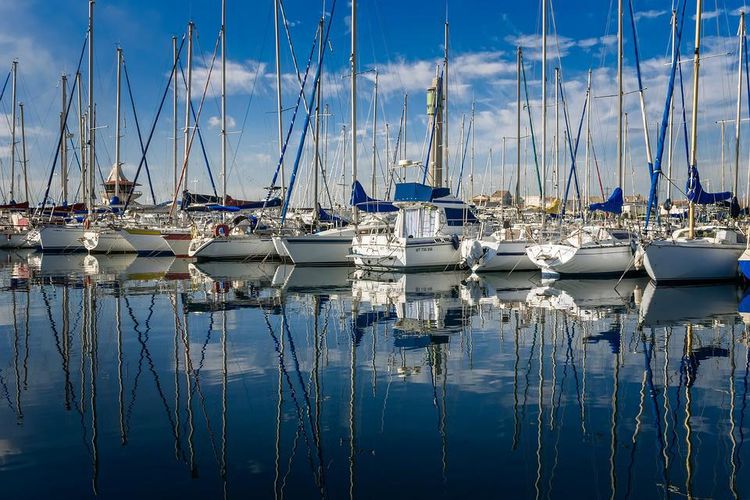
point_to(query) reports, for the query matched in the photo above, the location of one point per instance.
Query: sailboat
(705, 253)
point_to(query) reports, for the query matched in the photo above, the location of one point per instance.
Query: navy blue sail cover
(696, 194)
(367, 204)
(613, 205)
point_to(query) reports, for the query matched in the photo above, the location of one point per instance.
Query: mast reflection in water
(157, 377)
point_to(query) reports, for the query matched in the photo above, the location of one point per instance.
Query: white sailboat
(707, 253)
(327, 247)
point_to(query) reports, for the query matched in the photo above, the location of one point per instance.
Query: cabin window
(419, 222)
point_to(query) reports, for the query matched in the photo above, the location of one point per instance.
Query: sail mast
(741, 37)
(23, 154)
(694, 118)
(278, 95)
(13, 136)
(117, 124)
(175, 110)
(188, 97)
(353, 76)
(90, 198)
(670, 150)
(544, 111)
(620, 168)
(224, 102)
(518, 126)
(374, 183)
(64, 141)
(316, 160)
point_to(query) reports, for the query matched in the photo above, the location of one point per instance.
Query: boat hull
(669, 261)
(61, 238)
(411, 254)
(147, 242)
(316, 250)
(567, 260)
(106, 241)
(15, 239)
(232, 248)
(178, 242)
(488, 256)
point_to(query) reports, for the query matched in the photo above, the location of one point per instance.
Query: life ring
(86, 223)
(221, 230)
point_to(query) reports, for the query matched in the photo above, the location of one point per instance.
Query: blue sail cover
(367, 204)
(413, 191)
(696, 194)
(613, 205)
(324, 216)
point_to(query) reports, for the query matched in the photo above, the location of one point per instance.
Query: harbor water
(128, 377)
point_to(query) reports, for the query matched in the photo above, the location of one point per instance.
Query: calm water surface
(126, 378)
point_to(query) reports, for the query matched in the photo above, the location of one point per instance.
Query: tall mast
(587, 186)
(82, 141)
(117, 123)
(224, 102)
(175, 110)
(188, 97)
(671, 115)
(406, 116)
(620, 169)
(544, 111)
(473, 144)
(13, 136)
(374, 137)
(518, 126)
(445, 170)
(23, 154)
(316, 161)
(91, 119)
(556, 175)
(278, 94)
(353, 76)
(741, 32)
(694, 118)
(64, 141)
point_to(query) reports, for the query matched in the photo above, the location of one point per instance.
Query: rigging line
(156, 120)
(531, 125)
(200, 137)
(62, 132)
(195, 128)
(138, 130)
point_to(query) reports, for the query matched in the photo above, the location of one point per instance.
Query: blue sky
(404, 40)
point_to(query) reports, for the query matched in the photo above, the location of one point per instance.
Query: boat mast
(741, 32)
(64, 141)
(13, 135)
(374, 137)
(544, 112)
(556, 174)
(175, 110)
(117, 124)
(694, 118)
(224, 102)
(188, 97)
(90, 199)
(353, 76)
(473, 144)
(620, 169)
(278, 95)
(316, 162)
(444, 170)
(587, 186)
(82, 137)
(23, 154)
(518, 127)
(671, 115)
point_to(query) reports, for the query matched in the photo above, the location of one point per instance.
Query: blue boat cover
(324, 216)
(367, 204)
(413, 191)
(696, 194)
(613, 205)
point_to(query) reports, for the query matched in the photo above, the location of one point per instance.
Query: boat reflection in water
(257, 377)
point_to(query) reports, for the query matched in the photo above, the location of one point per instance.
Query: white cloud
(650, 14)
(215, 122)
(242, 77)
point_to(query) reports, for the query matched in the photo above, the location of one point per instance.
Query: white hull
(677, 305)
(326, 248)
(378, 252)
(487, 256)
(588, 260)
(15, 239)
(232, 247)
(148, 242)
(178, 242)
(106, 240)
(63, 238)
(692, 260)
